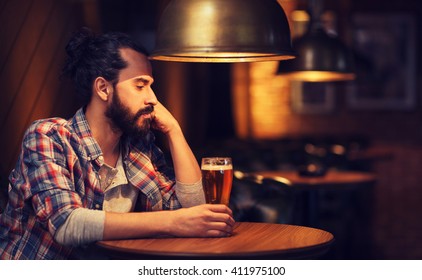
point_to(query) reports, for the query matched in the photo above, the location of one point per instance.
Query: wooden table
(249, 241)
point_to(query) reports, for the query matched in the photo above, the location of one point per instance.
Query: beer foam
(216, 167)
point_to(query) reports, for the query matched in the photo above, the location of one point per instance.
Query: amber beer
(217, 178)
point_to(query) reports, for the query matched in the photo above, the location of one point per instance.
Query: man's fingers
(221, 217)
(220, 208)
(218, 233)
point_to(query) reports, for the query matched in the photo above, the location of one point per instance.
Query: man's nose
(151, 98)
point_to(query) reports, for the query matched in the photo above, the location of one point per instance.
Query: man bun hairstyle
(90, 56)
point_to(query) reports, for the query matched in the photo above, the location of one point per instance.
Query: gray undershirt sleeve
(86, 225)
(190, 194)
(81, 227)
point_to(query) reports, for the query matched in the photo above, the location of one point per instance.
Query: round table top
(249, 240)
(333, 178)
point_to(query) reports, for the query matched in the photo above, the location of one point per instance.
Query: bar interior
(343, 156)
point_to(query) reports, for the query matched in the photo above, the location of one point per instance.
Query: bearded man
(99, 175)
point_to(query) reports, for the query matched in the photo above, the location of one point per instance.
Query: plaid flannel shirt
(57, 171)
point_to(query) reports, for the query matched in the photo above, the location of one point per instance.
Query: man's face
(132, 103)
(131, 124)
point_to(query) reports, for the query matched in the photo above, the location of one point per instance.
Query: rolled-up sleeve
(83, 226)
(190, 194)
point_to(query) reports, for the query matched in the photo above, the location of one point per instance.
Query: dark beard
(126, 122)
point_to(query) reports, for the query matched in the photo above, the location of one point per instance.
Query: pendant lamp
(223, 31)
(321, 57)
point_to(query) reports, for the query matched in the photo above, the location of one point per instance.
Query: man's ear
(102, 88)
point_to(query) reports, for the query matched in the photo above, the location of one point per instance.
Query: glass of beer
(217, 178)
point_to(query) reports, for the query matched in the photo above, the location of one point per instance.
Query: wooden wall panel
(2, 4)
(30, 84)
(30, 68)
(20, 58)
(10, 29)
(41, 86)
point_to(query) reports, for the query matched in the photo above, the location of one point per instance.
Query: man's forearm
(185, 164)
(135, 225)
(206, 220)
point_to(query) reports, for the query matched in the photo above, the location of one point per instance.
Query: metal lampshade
(320, 57)
(223, 31)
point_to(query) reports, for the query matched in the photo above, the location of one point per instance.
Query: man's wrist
(174, 130)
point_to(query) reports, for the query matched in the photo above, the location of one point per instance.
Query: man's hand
(206, 220)
(163, 120)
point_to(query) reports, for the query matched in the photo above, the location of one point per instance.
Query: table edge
(314, 250)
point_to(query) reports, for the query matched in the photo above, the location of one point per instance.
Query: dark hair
(91, 56)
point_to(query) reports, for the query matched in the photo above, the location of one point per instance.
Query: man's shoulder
(47, 125)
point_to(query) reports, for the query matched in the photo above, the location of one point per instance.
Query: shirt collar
(135, 145)
(81, 127)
